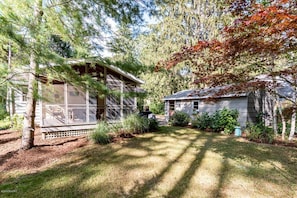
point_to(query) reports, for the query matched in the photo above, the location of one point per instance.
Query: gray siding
(240, 104)
(260, 102)
(184, 105)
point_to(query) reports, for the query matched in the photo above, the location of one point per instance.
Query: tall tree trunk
(293, 123)
(29, 117)
(9, 102)
(280, 111)
(8, 93)
(274, 115)
(293, 119)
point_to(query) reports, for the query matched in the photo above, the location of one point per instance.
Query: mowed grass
(175, 162)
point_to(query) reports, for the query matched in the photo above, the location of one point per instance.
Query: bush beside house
(132, 124)
(179, 118)
(222, 120)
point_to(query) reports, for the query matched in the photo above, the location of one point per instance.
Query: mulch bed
(44, 153)
(277, 142)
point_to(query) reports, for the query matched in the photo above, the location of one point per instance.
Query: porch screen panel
(53, 105)
(77, 108)
(128, 100)
(113, 102)
(92, 107)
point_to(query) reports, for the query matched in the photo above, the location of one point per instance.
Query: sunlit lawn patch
(176, 162)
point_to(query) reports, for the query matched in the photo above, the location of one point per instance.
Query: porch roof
(21, 76)
(109, 66)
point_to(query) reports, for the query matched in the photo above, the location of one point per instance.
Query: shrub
(3, 112)
(280, 127)
(135, 124)
(17, 121)
(225, 120)
(222, 120)
(116, 128)
(5, 123)
(260, 133)
(157, 108)
(100, 134)
(179, 118)
(203, 121)
(153, 124)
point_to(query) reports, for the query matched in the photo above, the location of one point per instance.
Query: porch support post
(122, 98)
(105, 97)
(66, 103)
(40, 104)
(87, 106)
(135, 99)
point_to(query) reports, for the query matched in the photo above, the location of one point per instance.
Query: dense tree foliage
(46, 32)
(261, 40)
(179, 23)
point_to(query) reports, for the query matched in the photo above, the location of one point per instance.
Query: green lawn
(175, 162)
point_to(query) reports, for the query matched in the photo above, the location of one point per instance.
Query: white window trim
(195, 110)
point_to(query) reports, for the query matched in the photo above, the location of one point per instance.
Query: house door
(171, 107)
(100, 114)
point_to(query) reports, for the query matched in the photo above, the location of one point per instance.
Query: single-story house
(249, 104)
(67, 110)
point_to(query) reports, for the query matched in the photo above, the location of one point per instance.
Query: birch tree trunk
(280, 111)
(274, 115)
(293, 123)
(293, 118)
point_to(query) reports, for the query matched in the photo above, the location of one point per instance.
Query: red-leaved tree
(261, 40)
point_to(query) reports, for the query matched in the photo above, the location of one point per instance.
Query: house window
(24, 96)
(195, 106)
(171, 105)
(74, 93)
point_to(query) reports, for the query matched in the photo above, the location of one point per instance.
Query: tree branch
(12, 76)
(58, 4)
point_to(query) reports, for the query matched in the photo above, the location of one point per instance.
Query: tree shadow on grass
(84, 166)
(7, 156)
(4, 141)
(258, 161)
(6, 133)
(182, 185)
(144, 190)
(86, 172)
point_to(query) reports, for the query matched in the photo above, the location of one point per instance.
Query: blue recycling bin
(237, 131)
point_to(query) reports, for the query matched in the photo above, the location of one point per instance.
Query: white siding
(20, 106)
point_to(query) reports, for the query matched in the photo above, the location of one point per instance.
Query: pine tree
(31, 25)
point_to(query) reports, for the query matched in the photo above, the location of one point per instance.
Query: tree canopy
(47, 32)
(261, 40)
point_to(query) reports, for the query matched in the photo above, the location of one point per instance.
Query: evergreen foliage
(48, 32)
